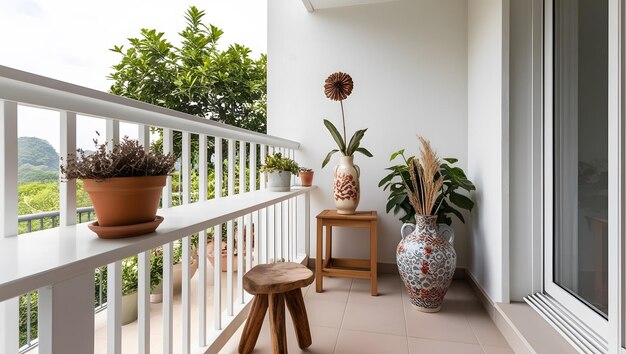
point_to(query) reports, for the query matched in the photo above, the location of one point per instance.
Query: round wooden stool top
(277, 278)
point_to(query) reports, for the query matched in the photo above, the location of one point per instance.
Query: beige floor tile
(423, 346)
(324, 340)
(325, 313)
(485, 330)
(384, 317)
(335, 289)
(449, 324)
(355, 342)
(497, 350)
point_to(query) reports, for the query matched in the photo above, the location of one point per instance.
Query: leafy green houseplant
(279, 170)
(449, 202)
(124, 184)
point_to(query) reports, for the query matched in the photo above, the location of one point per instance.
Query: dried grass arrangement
(126, 159)
(426, 180)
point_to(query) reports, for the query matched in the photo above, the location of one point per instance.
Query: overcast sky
(69, 40)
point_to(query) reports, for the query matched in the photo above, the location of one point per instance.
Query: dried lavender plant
(127, 159)
(425, 187)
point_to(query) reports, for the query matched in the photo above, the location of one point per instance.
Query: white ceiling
(312, 5)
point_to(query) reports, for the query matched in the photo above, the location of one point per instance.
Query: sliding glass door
(576, 158)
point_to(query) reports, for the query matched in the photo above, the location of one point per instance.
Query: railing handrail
(49, 214)
(40, 258)
(35, 90)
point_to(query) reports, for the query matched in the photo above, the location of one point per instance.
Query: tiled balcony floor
(345, 319)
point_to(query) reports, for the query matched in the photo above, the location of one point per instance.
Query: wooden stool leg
(277, 323)
(295, 304)
(253, 324)
(318, 258)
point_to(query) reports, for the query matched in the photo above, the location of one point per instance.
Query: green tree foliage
(196, 77)
(30, 174)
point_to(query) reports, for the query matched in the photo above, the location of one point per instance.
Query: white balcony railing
(59, 262)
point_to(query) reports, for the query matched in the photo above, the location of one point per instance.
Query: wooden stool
(276, 284)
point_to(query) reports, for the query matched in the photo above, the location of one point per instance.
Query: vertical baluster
(143, 270)
(254, 220)
(217, 241)
(263, 249)
(295, 227)
(114, 308)
(67, 188)
(274, 232)
(41, 224)
(240, 223)
(168, 290)
(28, 309)
(100, 286)
(307, 223)
(202, 241)
(185, 295)
(229, 231)
(29, 225)
(249, 238)
(168, 300)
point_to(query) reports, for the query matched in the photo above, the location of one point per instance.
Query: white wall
(488, 139)
(408, 60)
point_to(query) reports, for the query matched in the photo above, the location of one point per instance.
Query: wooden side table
(346, 267)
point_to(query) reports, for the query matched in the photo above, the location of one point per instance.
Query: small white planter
(279, 181)
(129, 308)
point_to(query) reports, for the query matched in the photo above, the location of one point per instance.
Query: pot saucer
(125, 230)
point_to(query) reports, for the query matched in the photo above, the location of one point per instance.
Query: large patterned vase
(346, 189)
(426, 261)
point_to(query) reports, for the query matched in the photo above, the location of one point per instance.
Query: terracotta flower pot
(306, 178)
(125, 200)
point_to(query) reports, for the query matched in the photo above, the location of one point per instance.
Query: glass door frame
(584, 313)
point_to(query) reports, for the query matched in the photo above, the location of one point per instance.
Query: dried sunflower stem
(343, 118)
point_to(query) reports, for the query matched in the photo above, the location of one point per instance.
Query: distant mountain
(37, 161)
(36, 152)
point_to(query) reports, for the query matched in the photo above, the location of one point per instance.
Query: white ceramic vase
(346, 189)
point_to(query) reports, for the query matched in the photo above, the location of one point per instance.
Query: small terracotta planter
(306, 178)
(124, 201)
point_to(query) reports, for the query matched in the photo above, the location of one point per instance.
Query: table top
(368, 215)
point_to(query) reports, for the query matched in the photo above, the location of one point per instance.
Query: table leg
(277, 323)
(295, 304)
(253, 324)
(318, 258)
(373, 258)
(329, 245)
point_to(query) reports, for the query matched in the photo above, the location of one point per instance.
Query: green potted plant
(124, 185)
(346, 187)
(279, 170)
(156, 268)
(306, 176)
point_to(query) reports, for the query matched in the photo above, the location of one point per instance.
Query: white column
(66, 316)
(9, 310)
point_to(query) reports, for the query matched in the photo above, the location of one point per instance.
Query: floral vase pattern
(426, 262)
(346, 188)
